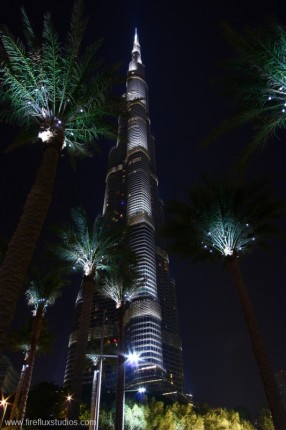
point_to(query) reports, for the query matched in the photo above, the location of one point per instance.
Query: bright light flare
(141, 390)
(132, 358)
(4, 402)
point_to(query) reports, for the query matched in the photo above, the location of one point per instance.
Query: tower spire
(136, 45)
(136, 51)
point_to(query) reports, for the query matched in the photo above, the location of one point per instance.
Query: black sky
(182, 47)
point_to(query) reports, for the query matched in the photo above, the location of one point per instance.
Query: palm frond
(256, 79)
(20, 339)
(44, 287)
(18, 89)
(55, 84)
(122, 284)
(30, 36)
(71, 53)
(224, 219)
(52, 63)
(89, 247)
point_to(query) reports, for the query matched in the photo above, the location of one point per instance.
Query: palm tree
(19, 340)
(58, 95)
(256, 78)
(42, 293)
(121, 287)
(91, 249)
(226, 221)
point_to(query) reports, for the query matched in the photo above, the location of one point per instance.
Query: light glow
(132, 358)
(45, 135)
(227, 235)
(141, 390)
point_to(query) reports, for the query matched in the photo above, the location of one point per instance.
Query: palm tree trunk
(24, 239)
(120, 391)
(87, 288)
(15, 406)
(267, 376)
(36, 332)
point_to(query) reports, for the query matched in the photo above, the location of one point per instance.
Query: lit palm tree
(42, 293)
(256, 78)
(58, 95)
(91, 249)
(121, 287)
(226, 221)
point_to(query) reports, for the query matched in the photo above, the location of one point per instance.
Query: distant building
(9, 377)
(131, 198)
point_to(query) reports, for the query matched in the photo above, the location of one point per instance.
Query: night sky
(182, 48)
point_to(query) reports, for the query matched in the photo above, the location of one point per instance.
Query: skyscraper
(131, 198)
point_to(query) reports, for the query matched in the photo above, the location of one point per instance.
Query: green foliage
(49, 84)
(224, 219)
(45, 286)
(176, 416)
(134, 417)
(122, 285)
(264, 421)
(154, 412)
(90, 247)
(20, 339)
(106, 419)
(84, 412)
(154, 415)
(256, 78)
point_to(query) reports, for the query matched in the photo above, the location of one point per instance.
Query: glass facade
(131, 197)
(151, 320)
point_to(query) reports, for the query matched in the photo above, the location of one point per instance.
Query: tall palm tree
(57, 94)
(121, 287)
(42, 293)
(256, 79)
(91, 249)
(226, 221)
(19, 340)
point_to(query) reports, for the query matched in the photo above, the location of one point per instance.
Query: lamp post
(4, 405)
(132, 359)
(96, 387)
(93, 406)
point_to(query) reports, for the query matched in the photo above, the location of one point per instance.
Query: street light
(132, 358)
(4, 405)
(141, 390)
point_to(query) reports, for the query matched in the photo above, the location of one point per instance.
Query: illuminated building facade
(131, 197)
